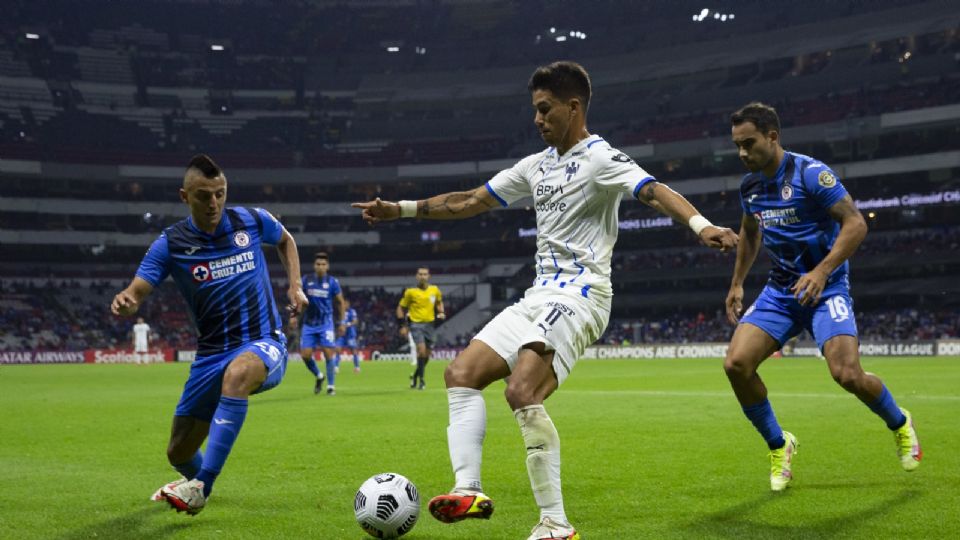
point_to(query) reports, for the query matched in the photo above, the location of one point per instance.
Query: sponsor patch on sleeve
(827, 179)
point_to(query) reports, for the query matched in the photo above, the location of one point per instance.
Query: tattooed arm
(454, 205)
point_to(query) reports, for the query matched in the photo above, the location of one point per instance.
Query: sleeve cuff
(495, 196)
(640, 184)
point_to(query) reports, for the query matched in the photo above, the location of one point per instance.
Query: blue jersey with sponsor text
(320, 292)
(222, 276)
(350, 317)
(792, 210)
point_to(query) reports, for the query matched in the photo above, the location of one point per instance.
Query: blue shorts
(201, 393)
(312, 337)
(345, 342)
(778, 313)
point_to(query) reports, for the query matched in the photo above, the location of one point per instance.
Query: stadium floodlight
(561, 38)
(723, 18)
(716, 15)
(393, 48)
(216, 47)
(553, 30)
(730, 16)
(31, 35)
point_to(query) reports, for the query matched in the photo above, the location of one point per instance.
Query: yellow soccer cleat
(459, 505)
(549, 529)
(781, 463)
(908, 445)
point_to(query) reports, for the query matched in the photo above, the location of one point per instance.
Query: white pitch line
(682, 393)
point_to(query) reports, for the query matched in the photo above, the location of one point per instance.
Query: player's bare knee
(849, 378)
(521, 394)
(736, 368)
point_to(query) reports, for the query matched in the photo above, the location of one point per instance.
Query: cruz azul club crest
(241, 239)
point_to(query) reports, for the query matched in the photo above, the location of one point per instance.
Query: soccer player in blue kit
(809, 225)
(347, 343)
(216, 260)
(323, 290)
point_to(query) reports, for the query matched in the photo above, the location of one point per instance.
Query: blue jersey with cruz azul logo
(320, 293)
(350, 317)
(792, 210)
(223, 276)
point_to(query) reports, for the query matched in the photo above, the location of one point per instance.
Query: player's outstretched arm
(747, 250)
(453, 205)
(128, 301)
(667, 201)
(853, 229)
(290, 258)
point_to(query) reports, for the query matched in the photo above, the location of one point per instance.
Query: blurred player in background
(141, 338)
(347, 343)
(424, 304)
(796, 207)
(576, 184)
(216, 260)
(319, 329)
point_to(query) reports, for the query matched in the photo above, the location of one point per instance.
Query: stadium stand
(98, 113)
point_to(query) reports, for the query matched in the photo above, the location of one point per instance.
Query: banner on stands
(120, 356)
(41, 357)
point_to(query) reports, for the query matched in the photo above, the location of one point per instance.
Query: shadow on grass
(141, 524)
(743, 521)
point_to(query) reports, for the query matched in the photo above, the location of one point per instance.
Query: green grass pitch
(651, 449)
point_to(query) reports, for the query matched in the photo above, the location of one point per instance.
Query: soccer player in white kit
(576, 184)
(141, 333)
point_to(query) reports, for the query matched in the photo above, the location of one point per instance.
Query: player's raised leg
(749, 347)
(843, 358)
(532, 382)
(466, 377)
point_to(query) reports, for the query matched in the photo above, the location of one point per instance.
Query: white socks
(543, 460)
(468, 425)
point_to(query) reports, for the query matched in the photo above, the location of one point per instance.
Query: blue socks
(189, 469)
(886, 407)
(331, 373)
(336, 360)
(312, 366)
(356, 360)
(765, 421)
(226, 424)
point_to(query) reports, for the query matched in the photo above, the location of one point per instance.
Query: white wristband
(408, 209)
(698, 223)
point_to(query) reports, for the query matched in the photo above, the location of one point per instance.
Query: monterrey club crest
(786, 192)
(200, 272)
(241, 239)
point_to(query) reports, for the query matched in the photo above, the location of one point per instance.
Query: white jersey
(576, 197)
(140, 333)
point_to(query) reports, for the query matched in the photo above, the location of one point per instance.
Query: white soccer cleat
(158, 495)
(185, 496)
(549, 529)
(781, 463)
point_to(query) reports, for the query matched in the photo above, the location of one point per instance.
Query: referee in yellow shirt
(423, 303)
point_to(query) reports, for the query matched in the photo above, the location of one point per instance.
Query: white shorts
(566, 322)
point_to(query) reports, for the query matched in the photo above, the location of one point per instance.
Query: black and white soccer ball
(387, 505)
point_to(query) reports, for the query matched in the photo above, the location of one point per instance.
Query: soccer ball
(387, 505)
